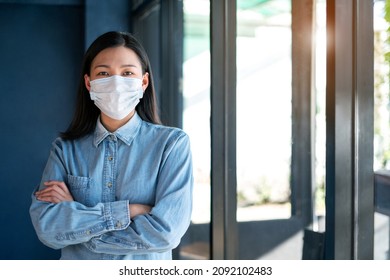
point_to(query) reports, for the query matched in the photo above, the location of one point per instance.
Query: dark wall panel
(104, 16)
(40, 53)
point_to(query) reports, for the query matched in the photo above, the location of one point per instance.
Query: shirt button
(118, 224)
(110, 158)
(109, 184)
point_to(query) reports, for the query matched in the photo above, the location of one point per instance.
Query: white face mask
(116, 96)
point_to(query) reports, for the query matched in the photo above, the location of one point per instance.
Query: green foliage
(387, 18)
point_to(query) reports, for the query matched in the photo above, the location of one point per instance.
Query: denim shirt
(139, 163)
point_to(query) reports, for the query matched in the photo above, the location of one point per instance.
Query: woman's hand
(138, 209)
(54, 192)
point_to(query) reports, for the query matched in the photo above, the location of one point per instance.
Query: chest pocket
(80, 188)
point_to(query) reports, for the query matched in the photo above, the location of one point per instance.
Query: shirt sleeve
(163, 228)
(67, 223)
(59, 225)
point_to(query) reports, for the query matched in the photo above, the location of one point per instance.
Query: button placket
(110, 167)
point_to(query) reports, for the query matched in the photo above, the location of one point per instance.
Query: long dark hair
(86, 113)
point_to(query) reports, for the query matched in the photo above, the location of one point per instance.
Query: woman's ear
(87, 82)
(145, 81)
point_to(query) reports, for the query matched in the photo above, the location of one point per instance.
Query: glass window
(196, 121)
(381, 117)
(263, 109)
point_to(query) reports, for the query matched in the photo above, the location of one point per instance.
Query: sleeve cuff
(116, 214)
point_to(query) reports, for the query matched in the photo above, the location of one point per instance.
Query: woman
(117, 184)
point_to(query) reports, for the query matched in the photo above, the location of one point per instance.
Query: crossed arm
(116, 227)
(56, 192)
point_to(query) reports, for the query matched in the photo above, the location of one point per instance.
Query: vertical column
(364, 130)
(223, 130)
(349, 168)
(171, 55)
(303, 110)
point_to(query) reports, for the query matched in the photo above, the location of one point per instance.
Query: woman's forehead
(116, 56)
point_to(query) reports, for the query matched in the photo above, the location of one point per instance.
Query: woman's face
(116, 61)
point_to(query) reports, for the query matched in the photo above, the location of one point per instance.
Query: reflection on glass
(196, 90)
(263, 109)
(196, 121)
(320, 117)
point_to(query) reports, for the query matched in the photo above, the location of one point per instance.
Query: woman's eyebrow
(102, 65)
(129, 65)
(122, 66)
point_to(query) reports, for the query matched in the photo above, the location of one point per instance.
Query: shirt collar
(126, 133)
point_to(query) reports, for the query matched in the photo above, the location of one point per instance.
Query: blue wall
(41, 49)
(40, 53)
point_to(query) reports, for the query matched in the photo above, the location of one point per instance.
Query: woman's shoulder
(164, 133)
(164, 129)
(61, 142)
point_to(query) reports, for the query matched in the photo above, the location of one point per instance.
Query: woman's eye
(102, 73)
(127, 73)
